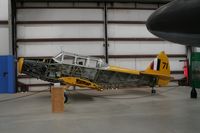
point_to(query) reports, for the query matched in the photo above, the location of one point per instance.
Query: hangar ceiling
(124, 1)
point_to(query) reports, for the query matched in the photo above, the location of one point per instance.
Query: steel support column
(105, 32)
(14, 34)
(14, 27)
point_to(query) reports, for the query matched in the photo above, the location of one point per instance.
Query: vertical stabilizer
(160, 68)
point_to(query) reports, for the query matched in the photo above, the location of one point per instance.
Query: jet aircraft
(84, 71)
(177, 21)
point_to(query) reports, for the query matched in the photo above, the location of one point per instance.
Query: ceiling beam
(101, 1)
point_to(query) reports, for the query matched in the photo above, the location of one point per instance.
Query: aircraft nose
(177, 21)
(163, 19)
(151, 23)
(20, 64)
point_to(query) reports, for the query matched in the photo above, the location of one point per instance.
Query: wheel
(66, 97)
(193, 93)
(153, 91)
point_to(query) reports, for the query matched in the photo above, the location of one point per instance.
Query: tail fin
(160, 68)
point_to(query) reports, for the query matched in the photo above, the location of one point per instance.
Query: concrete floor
(113, 111)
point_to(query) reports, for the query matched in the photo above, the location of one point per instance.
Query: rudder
(160, 68)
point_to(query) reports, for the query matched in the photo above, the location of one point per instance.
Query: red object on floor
(185, 69)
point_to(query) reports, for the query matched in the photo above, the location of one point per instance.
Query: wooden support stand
(57, 99)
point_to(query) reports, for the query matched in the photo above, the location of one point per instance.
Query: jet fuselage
(177, 21)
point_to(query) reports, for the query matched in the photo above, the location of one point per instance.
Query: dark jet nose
(177, 21)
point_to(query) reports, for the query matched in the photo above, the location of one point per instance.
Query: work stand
(58, 97)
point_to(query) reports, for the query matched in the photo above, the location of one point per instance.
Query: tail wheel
(154, 80)
(153, 91)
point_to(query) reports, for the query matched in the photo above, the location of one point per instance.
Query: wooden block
(57, 99)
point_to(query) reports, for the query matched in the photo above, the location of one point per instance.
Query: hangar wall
(44, 29)
(4, 28)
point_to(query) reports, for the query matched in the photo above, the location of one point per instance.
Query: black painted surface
(177, 21)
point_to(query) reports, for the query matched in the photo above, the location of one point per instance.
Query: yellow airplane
(84, 71)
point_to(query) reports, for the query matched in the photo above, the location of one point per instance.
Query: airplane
(84, 71)
(177, 21)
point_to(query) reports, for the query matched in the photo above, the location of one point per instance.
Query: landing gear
(153, 91)
(66, 97)
(193, 93)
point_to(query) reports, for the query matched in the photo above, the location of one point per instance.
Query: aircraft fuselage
(52, 72)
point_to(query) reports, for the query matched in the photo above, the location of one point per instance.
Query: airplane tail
(160, 68)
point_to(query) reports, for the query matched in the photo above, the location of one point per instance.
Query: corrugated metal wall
(46, 29)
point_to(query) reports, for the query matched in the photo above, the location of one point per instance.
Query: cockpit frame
(79, 60)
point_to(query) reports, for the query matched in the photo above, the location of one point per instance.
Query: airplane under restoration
(84, 71)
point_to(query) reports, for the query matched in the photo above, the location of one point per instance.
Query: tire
(65, 98)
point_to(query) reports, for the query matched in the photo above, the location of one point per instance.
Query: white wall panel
(60, 31)
(144, 47)
(3, 9)
(129, 30)
(125, 63)
(134, 5)
(176, 65)
(53, 48)
(4, 29)
(59, 14)
(129, 15)
(4, 40)
(196, 49)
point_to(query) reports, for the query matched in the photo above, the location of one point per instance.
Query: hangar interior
(113, 30)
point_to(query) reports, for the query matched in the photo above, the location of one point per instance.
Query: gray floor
(113, 111)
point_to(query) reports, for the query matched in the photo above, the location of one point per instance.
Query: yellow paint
(75, 81)
(163, 74)
(123, 70)
(20, 64)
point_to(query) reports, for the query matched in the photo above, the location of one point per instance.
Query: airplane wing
(76, 81)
